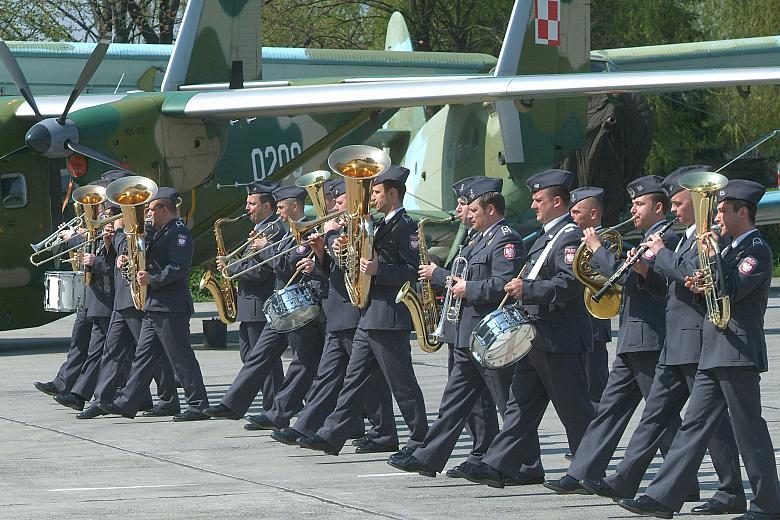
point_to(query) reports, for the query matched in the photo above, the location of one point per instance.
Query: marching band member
(640, 339)
(728, 374)
(305, 342)
(342, 319)
(494, 257)
(165, 328)
(554, 369)
(382, 338)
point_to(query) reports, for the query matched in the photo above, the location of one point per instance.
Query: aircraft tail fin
(397, 37)
(217, 42)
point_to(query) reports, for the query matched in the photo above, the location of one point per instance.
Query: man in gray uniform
(728, 375)
(341, 321)
(675, 373)
(257, 285)
(641, 336)
(495, 256)
(305, 342)
(382, 338)
(165, 329)
(586, 210)
(554, 369)
(483, 420)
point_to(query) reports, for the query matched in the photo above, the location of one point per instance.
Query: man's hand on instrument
(459, 287)
(426, 271)
(317, 244)
(143, 278)
(340, 246)
(66, 234)
(331, 225)
(369, 267)
(694, 283)
(638, 266)
(706, 240)
(121, 260)
(654, 242)
(591, 239)
(220, 263)
(306, 265)
(89, 259)
(514, 287)
(259, 242)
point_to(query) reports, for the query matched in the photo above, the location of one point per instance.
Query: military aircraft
(219, 120)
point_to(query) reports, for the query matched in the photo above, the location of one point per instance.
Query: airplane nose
(38, 138)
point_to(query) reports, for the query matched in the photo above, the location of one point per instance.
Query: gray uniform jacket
(168, 262)
(747, 272)
(684, 310)
(100, 291)
(396, 245)
(256, 286)
(494, 259)
(554, 299)
(339, 311)
(642, 312)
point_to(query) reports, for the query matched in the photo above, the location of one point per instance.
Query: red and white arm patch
(747, 265)
(181, 240)
(569, 252)
(414, 241)
(509, 251)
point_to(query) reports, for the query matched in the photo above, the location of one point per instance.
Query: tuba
(359, 165)
(703, 187)
(131, 194)
(222, 290)
(608, 304)
(423, 308)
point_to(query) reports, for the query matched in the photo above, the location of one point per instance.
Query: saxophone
(222, 289)
(423, 307)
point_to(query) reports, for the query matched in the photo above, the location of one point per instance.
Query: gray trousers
(77, 353)
(248, 334)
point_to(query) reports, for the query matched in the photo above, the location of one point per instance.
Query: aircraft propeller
(57, 137)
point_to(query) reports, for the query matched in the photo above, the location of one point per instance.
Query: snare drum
(64, 291)
(502, 337)
(292, 307)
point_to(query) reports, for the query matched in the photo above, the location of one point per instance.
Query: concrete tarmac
(55, 466)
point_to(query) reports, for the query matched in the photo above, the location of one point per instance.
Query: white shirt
(391, 214)
(553, 223)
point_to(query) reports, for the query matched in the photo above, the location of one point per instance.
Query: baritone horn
(359, 165)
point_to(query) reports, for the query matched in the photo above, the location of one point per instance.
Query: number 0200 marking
(270, 158)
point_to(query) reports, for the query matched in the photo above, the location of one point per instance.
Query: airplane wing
(314, 99)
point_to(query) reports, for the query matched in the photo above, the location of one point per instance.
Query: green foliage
(198, 294)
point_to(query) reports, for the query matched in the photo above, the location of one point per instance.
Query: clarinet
(627, 265)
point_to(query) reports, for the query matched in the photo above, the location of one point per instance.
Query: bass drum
(502, 337)
(64, 291)
(292, 307)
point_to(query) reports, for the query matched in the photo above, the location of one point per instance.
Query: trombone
(252, 236)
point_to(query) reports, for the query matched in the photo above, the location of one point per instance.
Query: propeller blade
(86, 74)
(21, 149)
(94, 154)
(12, 66)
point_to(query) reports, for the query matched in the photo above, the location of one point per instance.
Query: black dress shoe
(160, 411)
(566, 485)
(319, 444)
(191, 415)
(71, 401)
(481, 473)
(713, 507)
(457, 471)
(523, 480)
(91, 412)
(754, 515)
(221, 411)
(412, 465)
(285, 435)
(600, 488)
(568, 455)
(112, 409)
(365, 439)
(375, 447)
(644, 505)
(47, 388)
(405, 453)
(261, 422)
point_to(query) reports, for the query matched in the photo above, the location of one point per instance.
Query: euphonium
(359, 165)
(703, 187)
(131, 194)
(222, 290)
(423, 308)
(608, 304)
(90, 197)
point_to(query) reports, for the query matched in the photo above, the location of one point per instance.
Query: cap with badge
(394, 174)
(258, 187)
(327, 186)
(289, 192)
(740, 189)
(112, 175)
(481, 185)
(462, 185)
(547, 178)
(671, 184)
(338, 188)
(645, 185)
(586, 192)
(164, 192)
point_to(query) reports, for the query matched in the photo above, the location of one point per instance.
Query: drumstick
(298, 271)
(506, 296)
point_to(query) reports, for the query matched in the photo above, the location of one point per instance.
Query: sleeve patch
(747, 265)
(181, 240)
(414, 241)
(569, 254)
(509, 251)
(505, 230)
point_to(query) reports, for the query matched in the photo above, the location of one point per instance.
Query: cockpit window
(13, 190)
